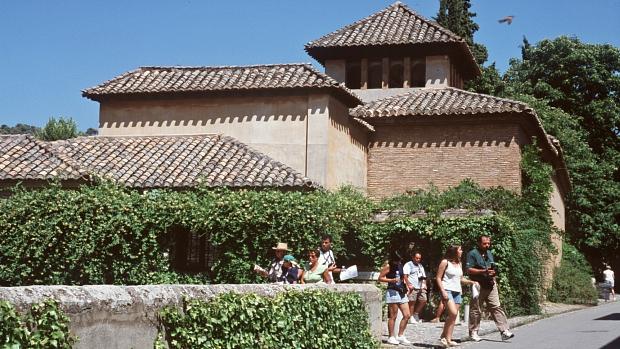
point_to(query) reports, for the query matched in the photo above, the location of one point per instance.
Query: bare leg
(403, 322)
(439, 311)
(448, 326)
(419, 306)
(392, 312)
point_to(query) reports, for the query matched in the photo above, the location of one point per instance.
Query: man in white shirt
(415, 277)
(326, 256)
(609, 279)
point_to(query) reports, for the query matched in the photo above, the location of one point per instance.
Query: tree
(583, 80)
(58, 129)
(18, 129)
(594, 203)
(455, 16)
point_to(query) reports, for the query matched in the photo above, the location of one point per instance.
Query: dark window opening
(396, 74)
(354, 75)
(375, 74)
(191, 251)
(418, 72)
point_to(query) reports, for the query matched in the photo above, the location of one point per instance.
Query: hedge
(309, 319)
(45, 326)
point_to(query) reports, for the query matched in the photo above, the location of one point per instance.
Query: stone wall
(405, 157)
(106, 316)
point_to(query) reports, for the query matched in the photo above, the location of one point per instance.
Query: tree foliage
(58, 129)
(18, 129)
(583, 82)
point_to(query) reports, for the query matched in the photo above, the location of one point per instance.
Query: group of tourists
(406, 291)
(285, 269)
(407, 285)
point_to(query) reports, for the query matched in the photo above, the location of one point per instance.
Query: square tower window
(418, 72)
(375, 74)
(353, 74)
(396, 73)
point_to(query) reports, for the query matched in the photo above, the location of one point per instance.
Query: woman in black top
(395, 297)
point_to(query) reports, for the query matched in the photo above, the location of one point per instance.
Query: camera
(422, 278)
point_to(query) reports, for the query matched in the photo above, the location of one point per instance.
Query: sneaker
(453, 343)
(412, 320)
(444, 343)
(435, 320)
(475, 337)
(506, 335)
(416, 318)
(393, 340)
(403, 340)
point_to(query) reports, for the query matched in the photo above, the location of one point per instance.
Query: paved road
(596, 327)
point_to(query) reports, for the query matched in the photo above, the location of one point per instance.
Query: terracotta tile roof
(151, 162)
(158, 80)
(25, 157)
(394, 25)
(437, 101)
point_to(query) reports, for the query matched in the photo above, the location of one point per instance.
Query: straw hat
(281, 246)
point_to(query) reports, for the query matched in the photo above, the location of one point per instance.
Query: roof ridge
(50, 147)
(395, 5)
(429, 21)
(182, 67)
(118, 77)
(486, 95)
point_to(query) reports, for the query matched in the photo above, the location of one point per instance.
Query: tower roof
(395, 26)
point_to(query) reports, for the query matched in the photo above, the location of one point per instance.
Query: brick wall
(411, 156)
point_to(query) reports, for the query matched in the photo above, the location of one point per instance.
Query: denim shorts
(455, 297)
(394, 297)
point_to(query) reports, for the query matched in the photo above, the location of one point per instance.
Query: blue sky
(51, 50)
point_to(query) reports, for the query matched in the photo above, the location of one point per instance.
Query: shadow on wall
(202, 121)
(435, 138)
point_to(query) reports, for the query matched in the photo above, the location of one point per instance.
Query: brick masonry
(405, 157)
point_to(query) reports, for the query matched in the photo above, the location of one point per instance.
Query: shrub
(572, 280)
(309, 319)
(45, 326)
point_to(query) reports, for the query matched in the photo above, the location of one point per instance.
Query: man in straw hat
(275, 267)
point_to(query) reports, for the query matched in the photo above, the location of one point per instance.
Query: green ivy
(105, 233)
(572, 280)
(309, 319)
(45, 326)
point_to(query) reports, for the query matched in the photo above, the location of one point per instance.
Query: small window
(354, 74)
(375, 74)
(396, 74)
(192, 251)
(418, 72)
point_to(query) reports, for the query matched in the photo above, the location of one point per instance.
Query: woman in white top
(609, 279)
(449, 278)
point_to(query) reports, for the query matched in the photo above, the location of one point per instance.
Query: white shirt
(414, 271)
(327, 258)
(452, 277)
(609, 275)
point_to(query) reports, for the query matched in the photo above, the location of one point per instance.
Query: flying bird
(507, 19)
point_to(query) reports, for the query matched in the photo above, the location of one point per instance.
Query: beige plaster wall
(437, 71)
(558, 215)
(347, 149)
(275, 126)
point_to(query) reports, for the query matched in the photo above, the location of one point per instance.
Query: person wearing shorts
(415, 277)
(395, 297)
(449, 278)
